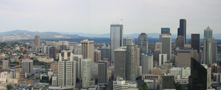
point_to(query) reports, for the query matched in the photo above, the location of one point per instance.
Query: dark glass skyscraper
(195, 41)
(182, 28)
(198, 77)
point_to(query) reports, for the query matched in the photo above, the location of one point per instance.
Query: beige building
(157, 71)
(54, 66)
(45, 59)
(87, 49)
(184, 57)
(37, 40)
(5, 64)
(180, 41)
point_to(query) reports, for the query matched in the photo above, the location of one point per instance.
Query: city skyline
(137, 17)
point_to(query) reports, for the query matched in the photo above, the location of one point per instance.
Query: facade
(208, 75)
(198, 77)
(5, 64)
(87, 49)
(128, 41)
(116, 31)
(54, 66)
(120, 63)
(139, 71)
(53, 52)
(158, 46)
(182, 29)
(97, 56)
(180, 42)
(207, 46)
(37, 40)
(184, 57)
(167, 82)
(214, 52)
(166, 46)
(66, 69)
(27, 66)
(102, 72)
(86, 72)
(151, 47)
(105, 53)
(78, 60)
(143, 43)
(131, 62)
(147, 63)
(195, 42)
(162, 59)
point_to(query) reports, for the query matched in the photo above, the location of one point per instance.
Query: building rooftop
(149, 54)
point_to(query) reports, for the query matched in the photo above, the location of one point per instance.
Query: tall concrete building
(131, 62)
(147, 63)
(120, 63)
(184, 56)
(97, 56)
(54, 66)
(156, 54)
(86, 72)
(66, 69)
(5, 64)
(87, 49)
(158, 46)
(78, 59)
(182, 29)
(37, 40)
(214, 51)
(180, 42)
(166, 46)
(105, 53)
(208, 42)
(162, 59)
(102, 72)
(195, 42)
(27, 66)
(128, 41)
(53, 52)
(143, 43)
(116, 31)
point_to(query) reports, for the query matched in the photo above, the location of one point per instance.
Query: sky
(95, 16)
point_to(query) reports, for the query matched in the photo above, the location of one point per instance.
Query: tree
(25, 52)
(9, 87)
(140, 88)
(36, 61)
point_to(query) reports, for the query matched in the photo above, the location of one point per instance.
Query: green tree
(140, 88)
(25, 52)
(36, 61)
(9, 87)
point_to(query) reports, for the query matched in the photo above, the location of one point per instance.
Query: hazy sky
(95, 16)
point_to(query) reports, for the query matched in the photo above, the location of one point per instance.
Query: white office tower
(66, 69)
(128, 41)
(208, 74)
(116, 31)
(166, 45)
(87, 72)
(162, 59)
(147, 63)
(78, 59)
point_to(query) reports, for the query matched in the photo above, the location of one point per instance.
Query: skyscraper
(116, 31)
(52, 52)
(87, 49)
(147, 63)
(37, 40)
(182, 28)
(86, 72)
(97, 55)
(102, 72)
(66, 69)
(166, 46)
(131, 62)
(180, 42)
(27, 66)
(78, 60)
(120, 62)
(195, 42)
(128, 41)
(105, 53)
(207, 46)
(143, 43)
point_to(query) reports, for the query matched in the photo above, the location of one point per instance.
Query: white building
(4, 76)
(86, 72)
(147, 63)
(162, 59)
(121, 84)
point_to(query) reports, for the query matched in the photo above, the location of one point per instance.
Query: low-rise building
(121, 84)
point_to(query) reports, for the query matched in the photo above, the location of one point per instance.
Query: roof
(149, 54)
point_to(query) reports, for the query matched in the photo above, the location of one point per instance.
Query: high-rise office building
(102, 72)
(143, 43)
(87, 49)
(208, 46)
(128, 41)
(151, 47)
(180, 42)
(120, 63)
(86, 72)
(131, 62)
(37, 40)
(165, 30)
(214, 51)
(78, 60)
(53, 52)
(184, 56)
(166, 46)
(66, 69)
(116, 31)
(97, 55)
(162, 59)
(182, 29)
(147, 63)
(198, 77)
(156, 55)
(5, 64)
(27, 66)
(195, 42)
(105, 53)
(158, 46)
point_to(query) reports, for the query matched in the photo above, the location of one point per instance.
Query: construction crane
(19, 70)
